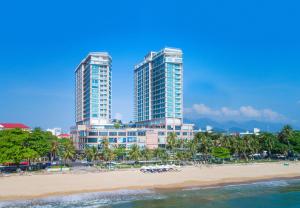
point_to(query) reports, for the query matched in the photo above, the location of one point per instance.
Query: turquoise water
(281, 194)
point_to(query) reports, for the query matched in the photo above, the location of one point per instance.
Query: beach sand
(43, 185)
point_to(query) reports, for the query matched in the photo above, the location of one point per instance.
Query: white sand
(23, 187)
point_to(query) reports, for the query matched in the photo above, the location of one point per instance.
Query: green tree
(134, 153)
(192, 147)
(147, 154)
(66, 150)
(105, 143)
(179, 155)
(92, 154)
(205, 143)
(160, 154)
(54, 149)
(17, 145)
(120, 153)
(267, 141)
(117, 125)
(40, 141)
(171, 141)
(285, 134)
(108, 155)
(295, 141)
(221, 152)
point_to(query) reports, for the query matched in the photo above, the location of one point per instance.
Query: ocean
(268, 194)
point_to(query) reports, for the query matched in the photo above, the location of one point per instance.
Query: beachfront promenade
(48, 184)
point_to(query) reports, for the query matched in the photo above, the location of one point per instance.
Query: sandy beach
(43, 185)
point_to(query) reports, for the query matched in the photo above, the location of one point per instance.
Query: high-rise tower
(158, 83)
(93, 90)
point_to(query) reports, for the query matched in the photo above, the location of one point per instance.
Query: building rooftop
(152, 54)
(102, 54)
(64, 136)
(13, 126)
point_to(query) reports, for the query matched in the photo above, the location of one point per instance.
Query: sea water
(269, 194)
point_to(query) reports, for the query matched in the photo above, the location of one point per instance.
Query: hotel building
(158, 102)
(93, 90)
(158, 85)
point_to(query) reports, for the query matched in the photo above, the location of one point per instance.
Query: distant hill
(234, 126)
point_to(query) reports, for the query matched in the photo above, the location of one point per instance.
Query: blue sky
(241, 58)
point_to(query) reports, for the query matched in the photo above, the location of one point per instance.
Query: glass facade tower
(93, 90)
(158, 89)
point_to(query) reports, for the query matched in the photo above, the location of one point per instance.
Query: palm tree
(205, 145)
(180, 143)
(285, 134)
(192, 146)
(135, 153)
(235, 146)
(120, 152)
(147, 153)
(225, 141)
(244, 147)
(160, 154)
(94, 154)
(108, 155)
(179, 156)
(87, 153)
(269, 141)
(54, 149)
(255, 144)
(105, 143)
(171, 140)
(111, 156)
(68, 152)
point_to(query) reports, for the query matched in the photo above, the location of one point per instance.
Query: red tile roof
(64, 136)
(14, 125)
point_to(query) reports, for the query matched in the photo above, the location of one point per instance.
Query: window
(170, 128)
(92, 133)
(131, 139)
(92, 140)
(131, 133)
(177, 127)
(103, 133)
(141, 133)
(112, 133)
(122, 133)
(112, 140)
(122, 140)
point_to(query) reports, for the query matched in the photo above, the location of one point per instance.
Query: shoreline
(43, 186)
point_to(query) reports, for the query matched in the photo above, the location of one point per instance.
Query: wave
(269, 183)
(94, 199)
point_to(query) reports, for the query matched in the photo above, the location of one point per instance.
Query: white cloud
(250, 112)
(229, 112)
(226, 113)
(202, 109)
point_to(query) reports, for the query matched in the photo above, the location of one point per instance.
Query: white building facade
(93, 89)
(158, 103)
(158, 85)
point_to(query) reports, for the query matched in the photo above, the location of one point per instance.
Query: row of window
(130, 133)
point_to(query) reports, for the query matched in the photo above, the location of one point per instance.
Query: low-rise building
(4, 126)
(152, 138)
(64, 136)
(55, 131)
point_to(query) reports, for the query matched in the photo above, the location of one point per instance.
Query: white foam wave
(94, 199)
